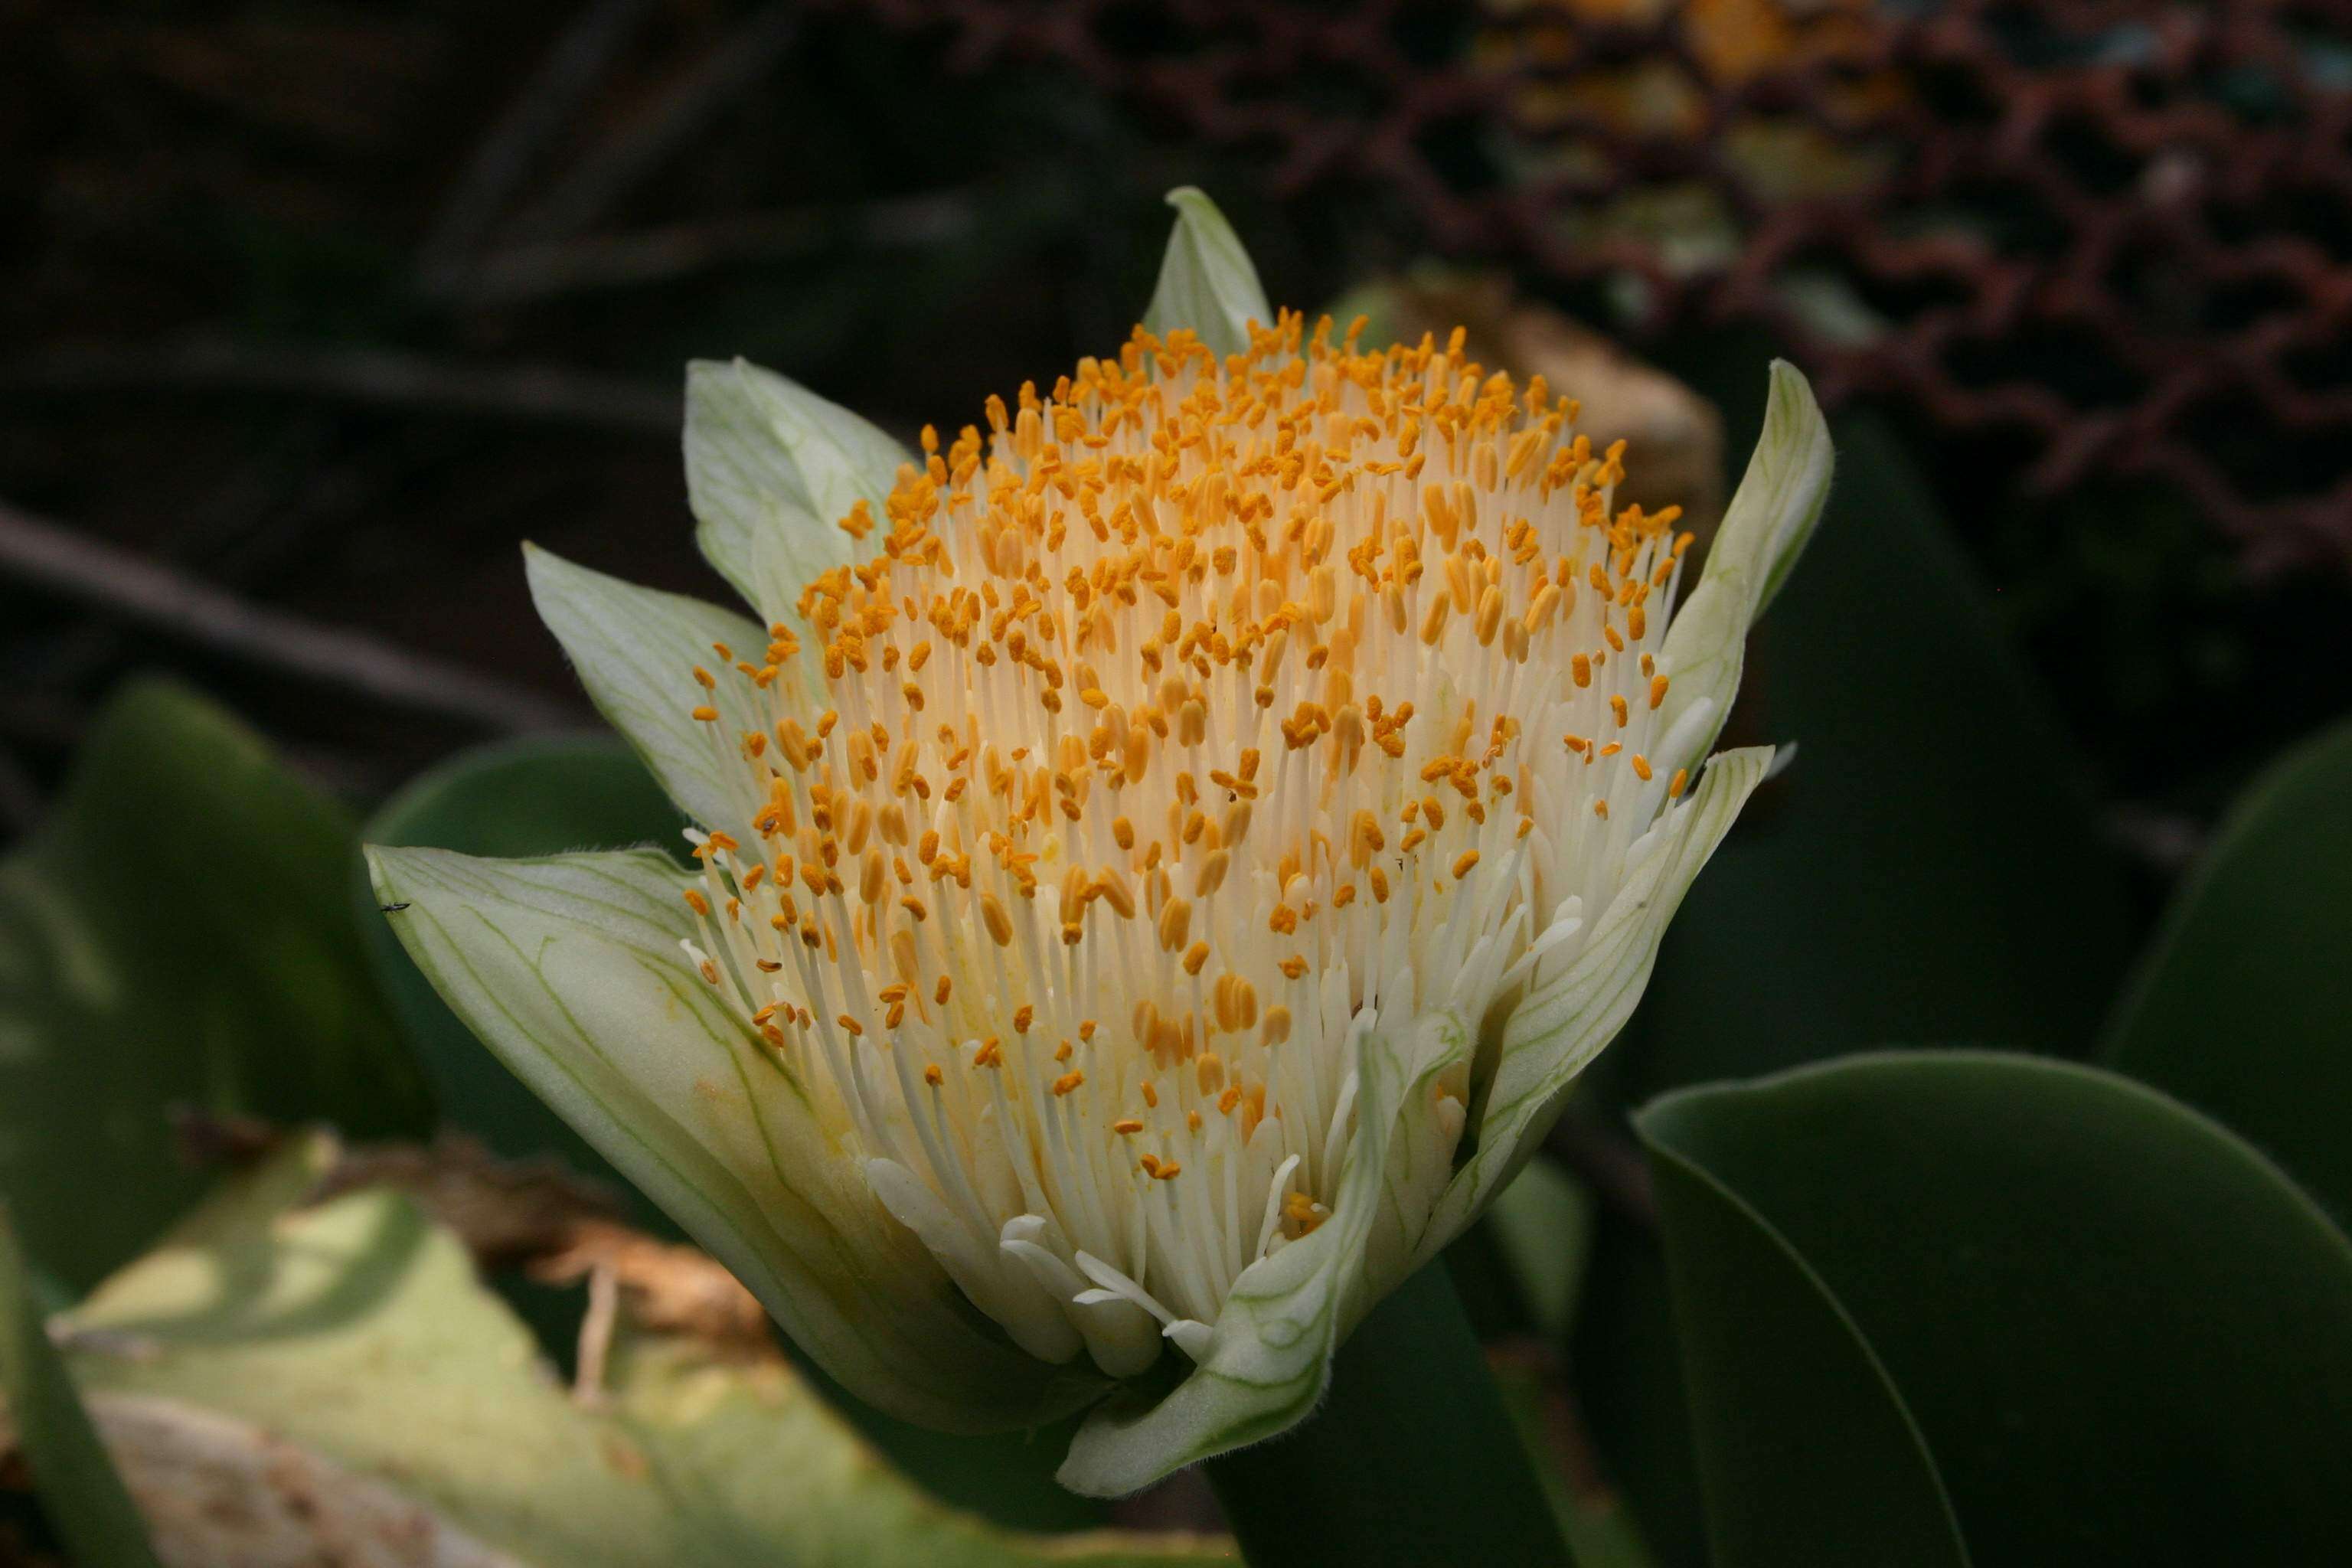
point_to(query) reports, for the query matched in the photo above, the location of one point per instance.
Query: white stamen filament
(1202, 717)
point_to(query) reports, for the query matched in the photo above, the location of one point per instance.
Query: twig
(276, 490)
(539, 1217)
(535, 272)
(57, 558)
(602, 179)
(596, 1336)
(573, 69)
(1610, 1165)
(363, 376)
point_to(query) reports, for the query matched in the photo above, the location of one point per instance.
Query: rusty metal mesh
(2113, 238)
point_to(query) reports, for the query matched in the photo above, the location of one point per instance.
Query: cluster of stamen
(1185, 723)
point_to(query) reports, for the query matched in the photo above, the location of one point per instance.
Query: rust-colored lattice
(2117, 235)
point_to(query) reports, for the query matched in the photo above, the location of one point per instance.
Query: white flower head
(1163, 855)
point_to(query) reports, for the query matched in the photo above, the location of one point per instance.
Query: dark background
(327, 307)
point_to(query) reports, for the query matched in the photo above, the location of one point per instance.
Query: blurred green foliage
(355, 1330)
(176, 940)
(91, 1512)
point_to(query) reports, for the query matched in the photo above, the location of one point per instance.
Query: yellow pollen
(1152, 665)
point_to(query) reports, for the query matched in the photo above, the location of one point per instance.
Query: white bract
(1162, 857)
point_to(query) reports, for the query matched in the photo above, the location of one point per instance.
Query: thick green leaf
(175, 934)
(1807, 1455)
(2124, 1335)
(84, 1498)
(1206, 281)
(540, 795)
(1927, 868)
(2243, 1005)
(355, 1330)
